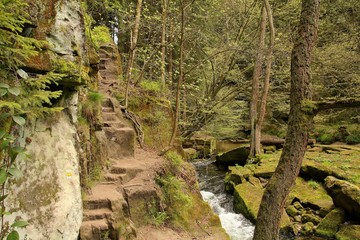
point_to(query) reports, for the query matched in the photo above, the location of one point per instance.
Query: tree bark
(254, 149)
(133, 43)
(181, 75)
(278, 188)
(266, 83)
(165, 4)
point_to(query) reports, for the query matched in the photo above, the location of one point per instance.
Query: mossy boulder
(307, 228)
(190, 153)
(237, 156)
(310, 197)
(330, 223)
(348, 232)
(247, 199)
(308, 217)
(236, 175)
(292, 211)
(345, 195)
(319, 172)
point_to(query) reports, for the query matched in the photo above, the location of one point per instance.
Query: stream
(211, 181)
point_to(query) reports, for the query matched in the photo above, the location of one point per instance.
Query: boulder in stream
(237, 156)
(247, 199)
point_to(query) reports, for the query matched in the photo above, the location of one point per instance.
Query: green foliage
(151, 86)
(326, 138)
(174, 158)
(100, 35)
(313, 184)
(178, 202)
(91, 108)
(95, 97)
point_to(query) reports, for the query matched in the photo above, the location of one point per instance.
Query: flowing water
(211, 182)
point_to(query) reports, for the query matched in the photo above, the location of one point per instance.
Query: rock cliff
(48, 195)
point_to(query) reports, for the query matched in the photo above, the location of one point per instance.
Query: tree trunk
(278, 188)
(266, 84)
(133, 43)
(255, 150)
(163, 42)
(181, 76)
(170, 52)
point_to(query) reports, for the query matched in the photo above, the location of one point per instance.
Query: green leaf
(3, 175)
(21, 156)
(4, 144)
(20, 224)
(22, 74)
(14, 235)
(14, 91)
(19, 120)
(4, 85)
(14, 151)
(2, 133)
(4, 115)
(15, 172)
(3, 92)
(2, 198)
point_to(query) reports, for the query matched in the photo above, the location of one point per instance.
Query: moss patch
(330, 224)
(247, 199)
(308, 196)
(348, 232)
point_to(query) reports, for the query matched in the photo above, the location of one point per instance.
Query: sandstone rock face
(49, 194)
(345, 195)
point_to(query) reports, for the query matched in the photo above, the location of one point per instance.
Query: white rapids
(236, 225)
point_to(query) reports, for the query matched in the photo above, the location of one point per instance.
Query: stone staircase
(117, 204)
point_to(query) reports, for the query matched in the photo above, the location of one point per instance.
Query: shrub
(100, 35)
(327, 138)
(151, 86)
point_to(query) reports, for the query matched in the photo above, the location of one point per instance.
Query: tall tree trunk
(170, 51)
(300, 118)
(254, 150)
(133, 42)
(181, 75)
(266, 84)
(163, 42)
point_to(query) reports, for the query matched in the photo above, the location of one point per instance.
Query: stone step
(96, 214)
(106, 103)
(104, 195)
(94, 230)
(115, 177)
(92, 204)
(121, 142)
(115, 124)
(107, 109)
(109, 116)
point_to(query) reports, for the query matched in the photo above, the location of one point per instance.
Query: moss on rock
(348, 232)
(247, 199)
(330, 224)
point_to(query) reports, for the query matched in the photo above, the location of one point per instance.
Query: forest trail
(120, 203)
(129, 178)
